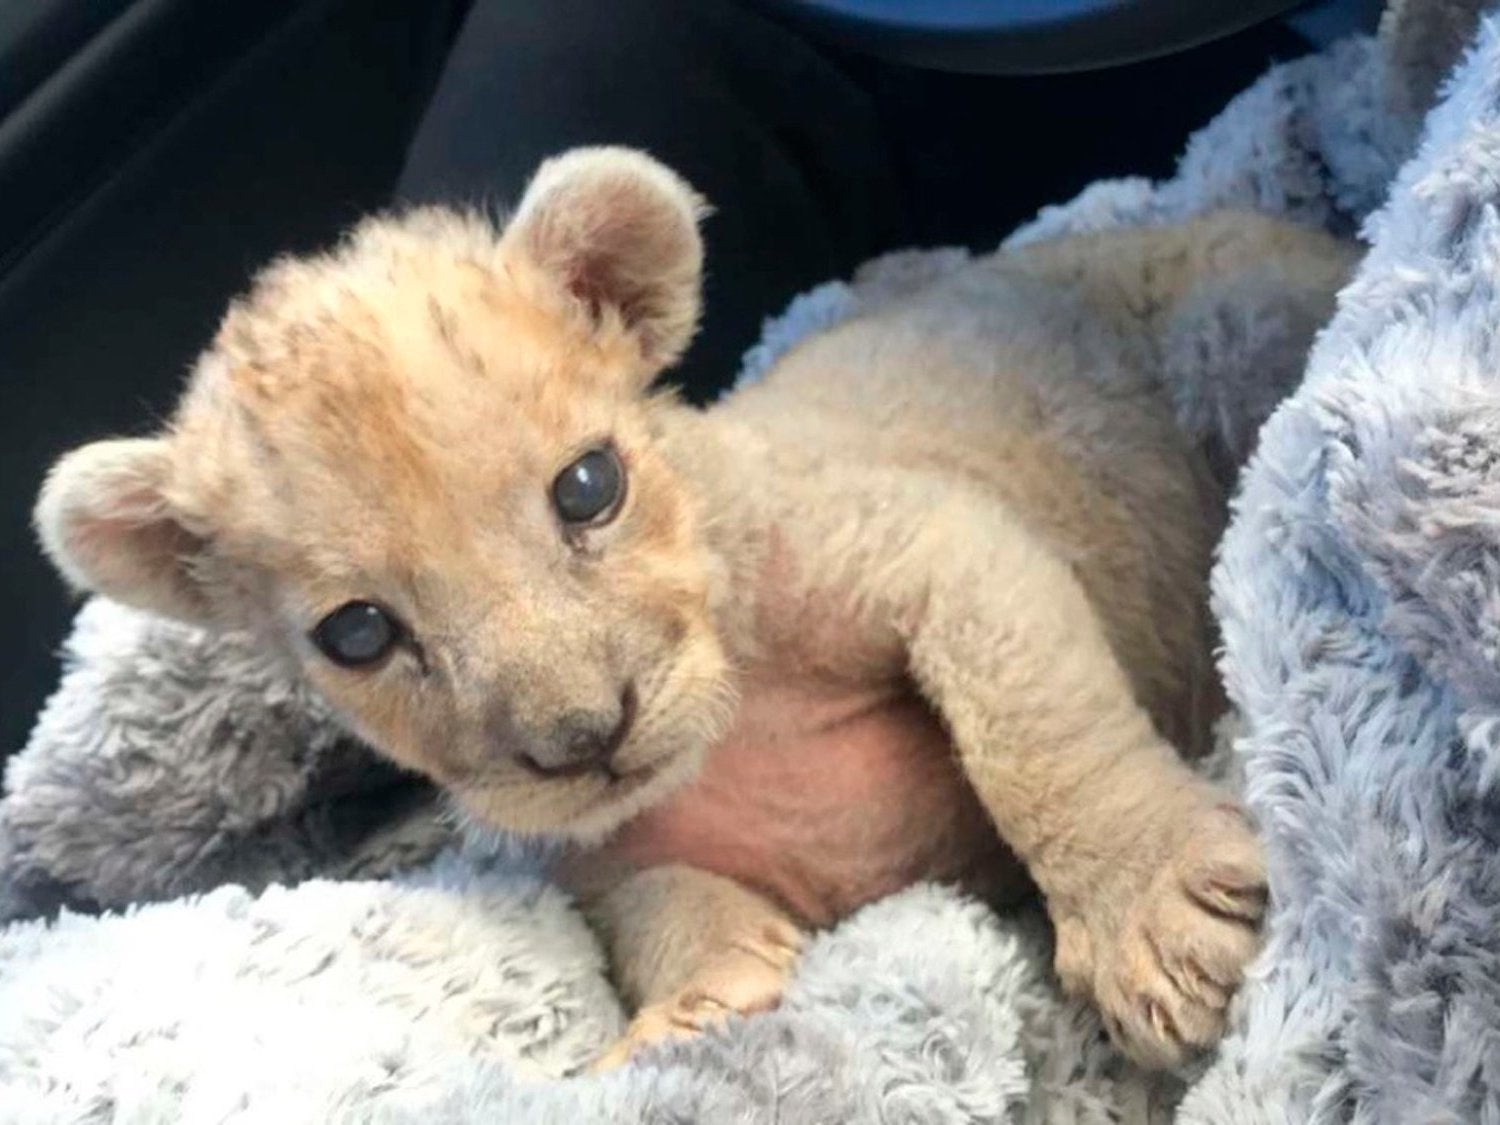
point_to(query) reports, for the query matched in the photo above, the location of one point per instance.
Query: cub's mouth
(620, 784)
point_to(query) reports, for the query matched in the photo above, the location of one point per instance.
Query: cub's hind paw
(747, 977)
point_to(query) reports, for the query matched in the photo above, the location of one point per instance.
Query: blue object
(1022, 36)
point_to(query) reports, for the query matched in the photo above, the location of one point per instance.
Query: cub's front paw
(746, 977)
(1162, 942)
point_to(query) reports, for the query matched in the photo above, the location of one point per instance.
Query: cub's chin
(583, 809)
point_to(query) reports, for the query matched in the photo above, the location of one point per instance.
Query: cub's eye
(590, 489)
(356, 634)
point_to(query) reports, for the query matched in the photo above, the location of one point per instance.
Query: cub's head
(427, 467)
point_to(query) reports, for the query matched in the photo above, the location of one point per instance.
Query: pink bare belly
(825, 801)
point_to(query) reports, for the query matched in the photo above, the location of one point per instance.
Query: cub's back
(1027, 392)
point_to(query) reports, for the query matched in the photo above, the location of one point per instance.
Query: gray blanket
(1360, 595)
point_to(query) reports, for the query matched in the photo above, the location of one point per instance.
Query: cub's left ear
(619, 232)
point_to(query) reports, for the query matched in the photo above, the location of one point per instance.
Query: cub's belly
(825, 801)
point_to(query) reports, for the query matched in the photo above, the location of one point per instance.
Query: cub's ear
(619, 232)
(104, 520)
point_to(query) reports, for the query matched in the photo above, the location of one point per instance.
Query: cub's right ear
(104, 519)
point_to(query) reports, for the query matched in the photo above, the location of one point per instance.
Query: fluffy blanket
(325, 944)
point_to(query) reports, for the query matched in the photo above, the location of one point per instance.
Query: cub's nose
(581, 741)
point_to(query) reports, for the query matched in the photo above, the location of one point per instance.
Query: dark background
(154, 152)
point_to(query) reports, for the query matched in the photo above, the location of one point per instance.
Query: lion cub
(926, 602)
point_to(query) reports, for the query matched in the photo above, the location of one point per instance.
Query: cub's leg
(1152, 877)
(689, 948)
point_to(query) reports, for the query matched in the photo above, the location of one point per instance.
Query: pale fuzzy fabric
(296, 1005)
(457, 998)
(1358, 593)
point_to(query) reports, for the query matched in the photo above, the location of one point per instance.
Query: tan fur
(941, 573)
